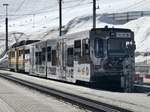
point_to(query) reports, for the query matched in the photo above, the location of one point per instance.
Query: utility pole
(60, 17)
(6, 22)
(94, 14)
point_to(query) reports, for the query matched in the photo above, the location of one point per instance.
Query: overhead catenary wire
(46, 11)
(53, 8)
(19, 7)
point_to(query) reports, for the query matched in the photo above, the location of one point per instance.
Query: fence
(121, 18)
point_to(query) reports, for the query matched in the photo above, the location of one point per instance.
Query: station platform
(16, 98)
(137, 102)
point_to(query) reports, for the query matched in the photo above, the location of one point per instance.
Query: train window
(43, 54)
(48, 53)
(70, 57)
(54, 58)
(36, 57)
(12, 54)
(77, 49)
(20, 52)
(98, 46)
(116, 45)
(9, 55)
(40, 58)
(85, 47)
(27, 51)
(77, 43)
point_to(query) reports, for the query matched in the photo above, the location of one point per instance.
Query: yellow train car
(19, 56)
(16, 59)
(20, 59)
(12, 59)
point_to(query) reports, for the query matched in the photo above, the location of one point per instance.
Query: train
(103, 56)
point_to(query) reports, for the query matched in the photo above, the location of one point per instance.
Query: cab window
(98, 46)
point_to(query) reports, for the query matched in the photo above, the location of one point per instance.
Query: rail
(142, 88)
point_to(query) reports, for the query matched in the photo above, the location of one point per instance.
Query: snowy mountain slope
(39, 18)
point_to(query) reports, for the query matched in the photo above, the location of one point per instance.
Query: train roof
(111, 29)
(85, 33)
(76, 35)
(24, 42)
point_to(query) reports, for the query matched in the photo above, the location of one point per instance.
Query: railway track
(72, 98)
(142, 88)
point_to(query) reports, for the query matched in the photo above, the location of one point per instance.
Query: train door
(52, 59)
(32, 60)
(16, 53)
(64, 58)
(43, 64)
(20, 60)
(61, 60)
(82, 59)
(11, 59)
(69, 64)
(38, 60)
(27, 60)
(40, 57)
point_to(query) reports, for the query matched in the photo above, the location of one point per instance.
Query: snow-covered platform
(15, 98)
(138, 102)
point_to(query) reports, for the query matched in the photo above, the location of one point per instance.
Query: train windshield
(98, 45)
(117, 46)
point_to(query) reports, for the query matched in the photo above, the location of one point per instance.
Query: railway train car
(102, 55)
(12, 59)
(17, 55)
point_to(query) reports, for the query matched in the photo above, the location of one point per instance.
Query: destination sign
(123, 35)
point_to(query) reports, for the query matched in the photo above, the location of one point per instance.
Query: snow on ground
(141, 58)
(16, 98)
(38, 19)
(141, 29)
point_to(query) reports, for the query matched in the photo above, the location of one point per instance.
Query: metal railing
(124, 17)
